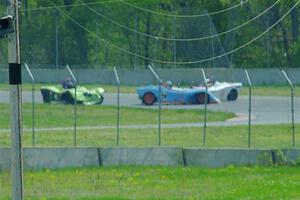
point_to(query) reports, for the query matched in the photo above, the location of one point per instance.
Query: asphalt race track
(265, 110)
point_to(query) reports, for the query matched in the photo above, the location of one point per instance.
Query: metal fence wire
(167, 125)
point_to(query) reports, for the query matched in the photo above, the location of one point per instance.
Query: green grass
(263, 136)
(270, 91)
(256, 91)
(59, 115)
(91, 118)
(159, 183)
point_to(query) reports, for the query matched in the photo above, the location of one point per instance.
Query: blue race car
(175, 95)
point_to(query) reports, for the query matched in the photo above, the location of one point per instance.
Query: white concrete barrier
(55, 158)
(224, 157)
(4, 158)
(156, 156)
(52, 158)
(290, 155)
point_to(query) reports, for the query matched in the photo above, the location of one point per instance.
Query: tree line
(167, 33)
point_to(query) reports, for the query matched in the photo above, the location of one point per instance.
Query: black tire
(101, 100)
(148, 98)
(67, 98)
(46, 96)
(233, 95)
(200, 98)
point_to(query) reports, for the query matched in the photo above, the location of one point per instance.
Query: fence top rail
(29, 72)
(71, 73)
(155, 74)
(204, 77)
(248, 78)
(287, 78)
(117, 76)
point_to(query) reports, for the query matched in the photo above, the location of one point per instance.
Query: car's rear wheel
(66, 98)
(46, 95)
(233, 95)
(148, 98)
(200, 98)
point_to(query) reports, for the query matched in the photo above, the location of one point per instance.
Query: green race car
(68, 96)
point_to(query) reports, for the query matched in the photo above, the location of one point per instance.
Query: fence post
(249, 108)
(33, 104)
(75, 105)
(292, 104)
(205, 108)
(118, 105)
(159, 103)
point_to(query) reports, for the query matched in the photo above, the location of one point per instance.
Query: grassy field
(256, 91)
(122, 183)
(155, 183)
(59, 115)
(263, 136)
(54, 123)
(270, 91)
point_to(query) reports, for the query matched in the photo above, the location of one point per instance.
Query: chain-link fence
(123, 120)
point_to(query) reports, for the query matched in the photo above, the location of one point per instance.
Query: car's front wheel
(233, 95)
(148, 98)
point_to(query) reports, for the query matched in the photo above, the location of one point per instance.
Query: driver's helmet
(210, 81)
(68, 83)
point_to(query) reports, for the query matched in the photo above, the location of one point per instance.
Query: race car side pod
(205, 108)
(249, 108)
(118, 105)
(33, 103)
(159, 102)
(75, 105)
(292, 104)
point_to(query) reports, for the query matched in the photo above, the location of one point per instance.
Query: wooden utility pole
(14, 63)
